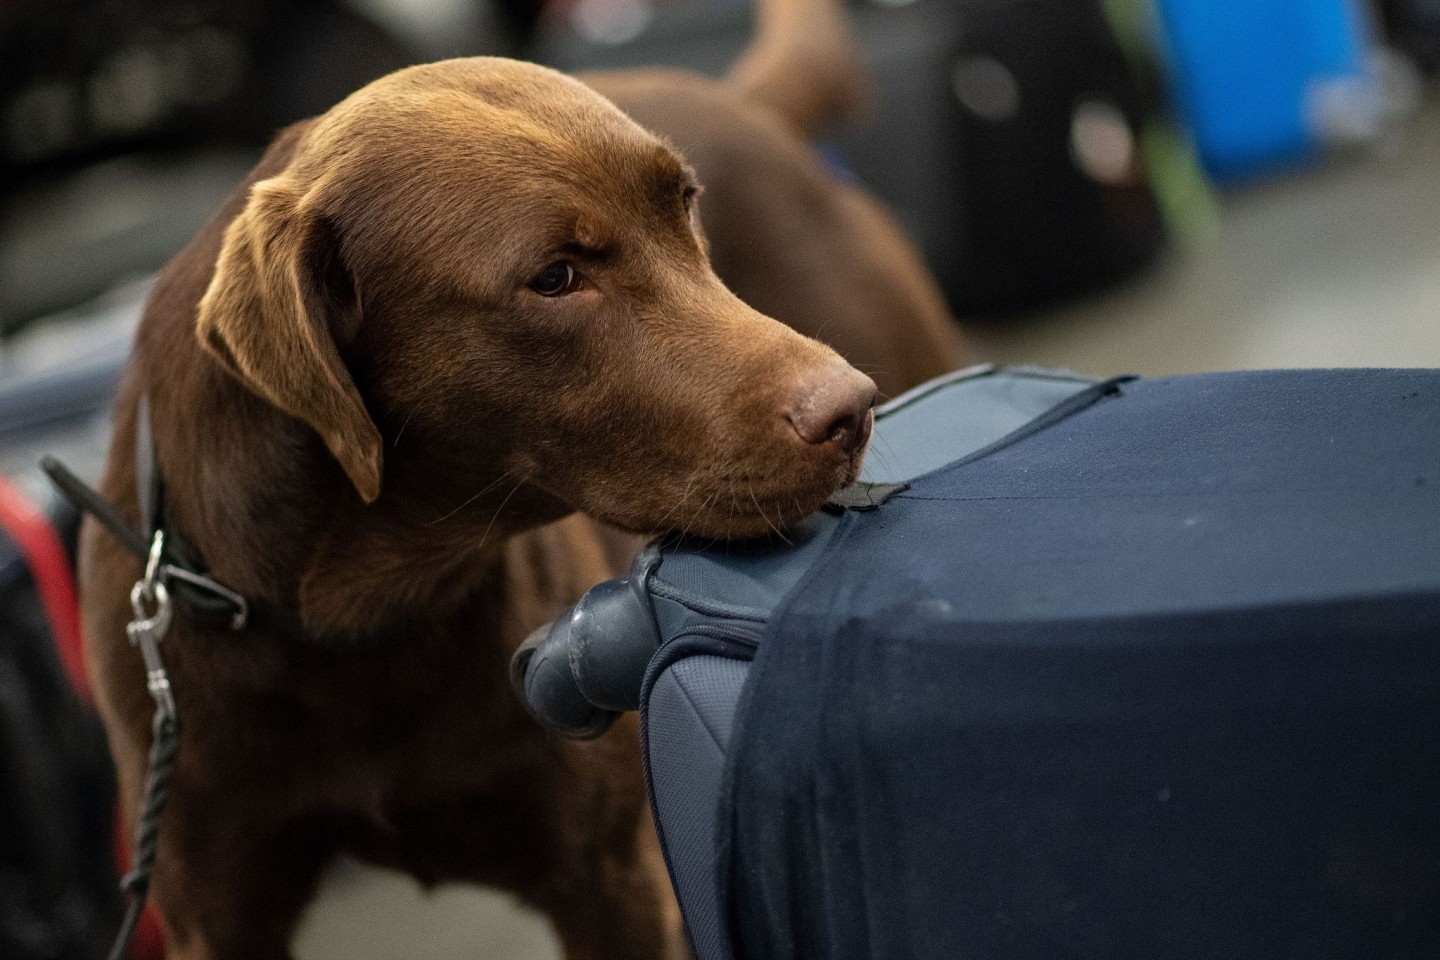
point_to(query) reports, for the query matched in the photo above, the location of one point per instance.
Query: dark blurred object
(1054, 196)
(130, 90)
(58, 896)
(1413, 27)
(516, 21)
(74, 237)
(1003, 136)
(82, 79)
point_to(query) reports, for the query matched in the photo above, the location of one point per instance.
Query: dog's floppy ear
(279, 299)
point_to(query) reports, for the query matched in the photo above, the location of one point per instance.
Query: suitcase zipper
(741, 635)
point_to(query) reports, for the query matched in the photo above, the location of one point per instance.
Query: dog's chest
(424, 716)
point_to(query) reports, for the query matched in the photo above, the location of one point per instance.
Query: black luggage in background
(1413, 26)
(1004, 136)
(58, 894)
(58, 898)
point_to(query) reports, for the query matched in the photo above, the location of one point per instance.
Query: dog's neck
(275, 517)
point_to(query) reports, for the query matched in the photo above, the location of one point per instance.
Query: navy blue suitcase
(1136, 668)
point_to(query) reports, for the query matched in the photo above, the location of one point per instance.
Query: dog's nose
(833, 406)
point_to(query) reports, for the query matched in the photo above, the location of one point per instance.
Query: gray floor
(1339, 267)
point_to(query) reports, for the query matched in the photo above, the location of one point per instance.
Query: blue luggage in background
(1267, 83)
(1139, 668)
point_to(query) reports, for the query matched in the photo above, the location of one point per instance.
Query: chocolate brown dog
(468, 301)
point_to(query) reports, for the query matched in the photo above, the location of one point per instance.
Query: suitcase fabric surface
(1141, 668)
(1160, 679)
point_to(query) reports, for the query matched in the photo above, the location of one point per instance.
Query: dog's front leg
(574, 844)
(230, 882)
(627, 910)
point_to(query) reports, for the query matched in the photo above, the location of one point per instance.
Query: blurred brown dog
(468, 301)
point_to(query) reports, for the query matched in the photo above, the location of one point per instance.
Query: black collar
(181, 566)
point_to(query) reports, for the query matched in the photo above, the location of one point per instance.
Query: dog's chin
(731, 511)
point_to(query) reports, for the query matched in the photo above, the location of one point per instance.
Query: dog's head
(483, 270)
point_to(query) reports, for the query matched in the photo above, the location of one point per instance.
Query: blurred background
(1150, 186)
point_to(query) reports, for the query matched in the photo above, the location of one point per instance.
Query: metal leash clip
(239, 619)
(153, 613)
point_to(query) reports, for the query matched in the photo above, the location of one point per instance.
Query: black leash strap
(165, 743)
(151, 603)
(88, 501)
(150, 599)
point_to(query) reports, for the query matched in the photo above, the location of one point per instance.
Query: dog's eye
(558, 278)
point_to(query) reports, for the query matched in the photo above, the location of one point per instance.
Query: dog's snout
(834, 407)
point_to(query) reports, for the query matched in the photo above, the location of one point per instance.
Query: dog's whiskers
(499, 510)
(768, 522)
(486, 489)
(705, 505)
(401, 432)
(684, 495)
(819, 334)
(880, 450)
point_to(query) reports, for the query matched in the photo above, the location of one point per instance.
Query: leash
(172, 573)
(151, 603)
